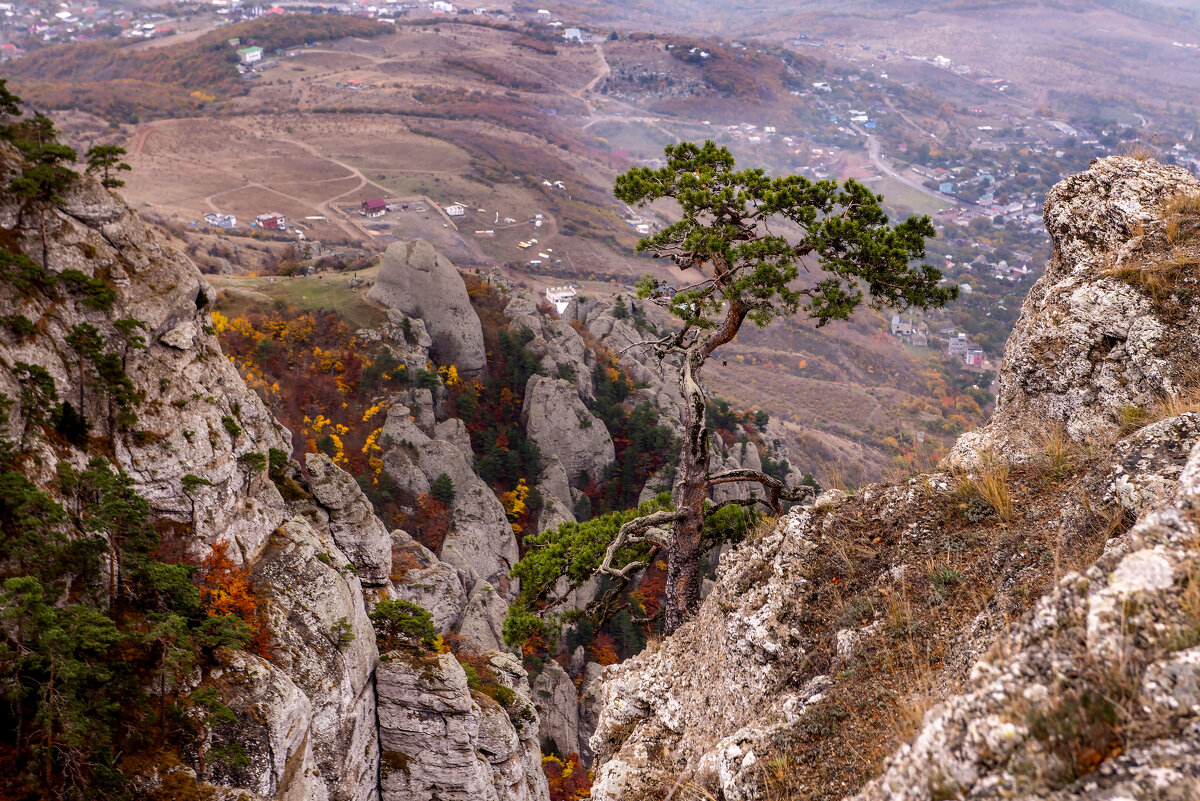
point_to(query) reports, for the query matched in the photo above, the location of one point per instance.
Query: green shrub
(402, 623)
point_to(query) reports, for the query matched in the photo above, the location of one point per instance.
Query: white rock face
(418, 281)
(557, 702)
(482, 542)
(324, 641)
(352, 521)
(274, 719)
(482, 618)
(1090, 344)
(564, 429)
(1146, 466)
(441, 742)
(427, 581)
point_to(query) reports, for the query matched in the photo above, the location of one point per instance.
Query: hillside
(471, 114)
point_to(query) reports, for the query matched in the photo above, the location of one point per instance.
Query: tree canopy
(749, 246)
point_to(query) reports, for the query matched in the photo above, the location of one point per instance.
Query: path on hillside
(605, 69)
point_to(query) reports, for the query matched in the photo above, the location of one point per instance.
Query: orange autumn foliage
(226, 589)
(567, 778)
(429, 522)
(604, 649)
(652, 590)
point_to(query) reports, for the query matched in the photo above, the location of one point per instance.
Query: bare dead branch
(777, 489)
(736, 502)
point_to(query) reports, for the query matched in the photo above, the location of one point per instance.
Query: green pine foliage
(575, 550)
(503, 453)
(442, 489)
(402, 624)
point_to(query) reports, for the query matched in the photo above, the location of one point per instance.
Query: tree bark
(691, 490)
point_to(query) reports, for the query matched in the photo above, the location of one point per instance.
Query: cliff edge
(1022, 625)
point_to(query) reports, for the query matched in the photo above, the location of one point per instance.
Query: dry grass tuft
(990, 484)
(833, 475)
(1061, 451)
(1160, 280)
(1175, 405)
(1185, 204)
(691, 791)
(1191, 604)
(1138, 151)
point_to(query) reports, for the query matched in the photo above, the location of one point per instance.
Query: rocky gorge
(321, 714)
(1023, 623)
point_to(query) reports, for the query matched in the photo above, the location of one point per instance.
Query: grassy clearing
(904, 197)
(307, 294)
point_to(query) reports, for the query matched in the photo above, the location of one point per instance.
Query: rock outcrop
(481, 541)
(352, 521)
(441, 741)
(1111, 329)
(416, 280)
(1091, 692)
(564, 429)
(1043, 710)
(305, 720)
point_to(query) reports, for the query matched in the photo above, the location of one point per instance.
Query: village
(26, 24)
(944, 338)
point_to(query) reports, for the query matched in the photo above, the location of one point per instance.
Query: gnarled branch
(640, 529)
(777, 489)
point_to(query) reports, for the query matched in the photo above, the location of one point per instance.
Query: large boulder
(481, 541)
(441, 741)
(557, 702)
(1103, 335)
(352, 521)
(421, 578)
(482, 619)
(563, 428)
(418, 281)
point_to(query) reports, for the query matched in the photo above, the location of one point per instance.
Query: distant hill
(118, 83)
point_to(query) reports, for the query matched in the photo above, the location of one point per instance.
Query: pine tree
(732, 231)
(45, 175)
(102, 158)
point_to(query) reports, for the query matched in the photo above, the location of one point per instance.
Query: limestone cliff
(828, 635)
(304, 719)
(419, 282)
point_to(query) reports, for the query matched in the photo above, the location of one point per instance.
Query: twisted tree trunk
(691, 490)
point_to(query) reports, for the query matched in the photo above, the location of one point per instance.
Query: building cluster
(270, 221)
(22, 22)
(954, 344)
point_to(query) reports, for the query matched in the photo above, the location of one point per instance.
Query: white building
(456, 210)
(250, 55)
(560, 296)
(221, 220)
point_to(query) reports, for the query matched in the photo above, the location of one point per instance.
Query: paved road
(885, 168)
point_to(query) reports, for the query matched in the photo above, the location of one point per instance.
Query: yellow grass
(989, 482)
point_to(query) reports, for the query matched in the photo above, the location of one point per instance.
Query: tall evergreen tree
(767, 248)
